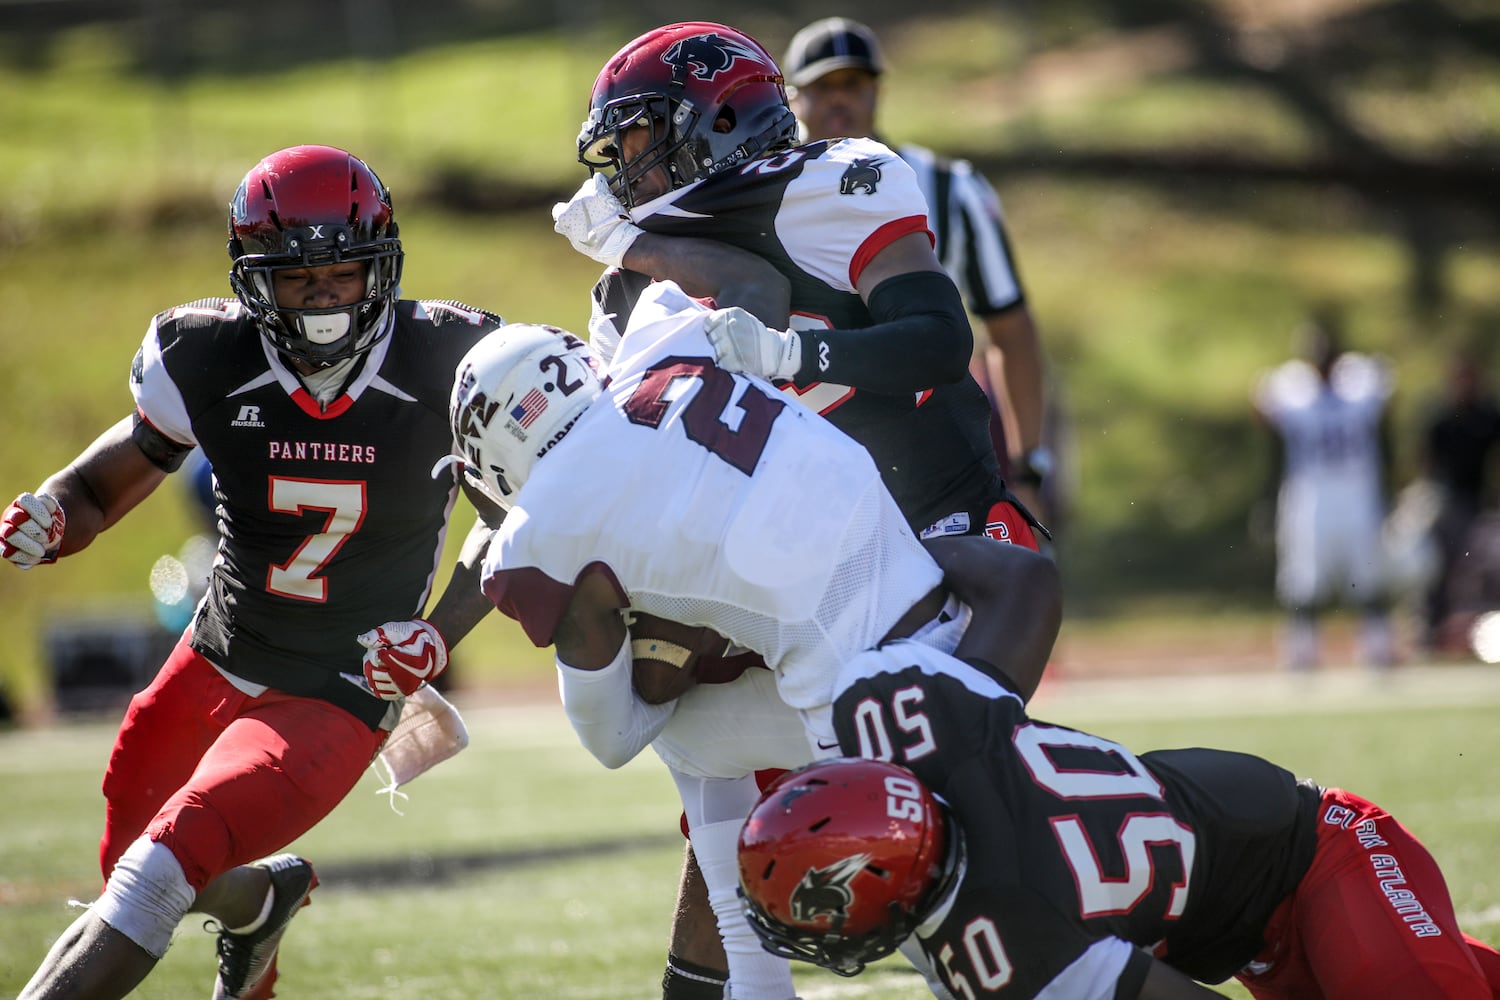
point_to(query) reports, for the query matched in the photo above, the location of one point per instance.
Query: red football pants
(1371, 918)
(222, 778)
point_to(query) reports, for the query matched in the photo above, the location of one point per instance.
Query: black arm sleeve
(164, 453)
(1133, 979)
(920, 339)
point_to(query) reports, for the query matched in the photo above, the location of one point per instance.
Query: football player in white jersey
(1328, 412)
(732, 508)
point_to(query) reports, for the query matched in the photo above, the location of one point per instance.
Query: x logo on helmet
(706, 56)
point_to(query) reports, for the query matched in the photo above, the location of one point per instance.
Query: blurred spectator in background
(1329, 413)
(1460, 456)
(832, 69)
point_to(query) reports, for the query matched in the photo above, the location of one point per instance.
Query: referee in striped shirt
(832, 69)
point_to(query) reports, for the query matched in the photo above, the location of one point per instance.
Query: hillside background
(1183, 181)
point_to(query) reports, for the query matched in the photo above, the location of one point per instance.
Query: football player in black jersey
(834, 67)
(320, 399)
(690, 140)
(1034, 860)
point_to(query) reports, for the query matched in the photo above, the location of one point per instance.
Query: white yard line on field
(1249, 694)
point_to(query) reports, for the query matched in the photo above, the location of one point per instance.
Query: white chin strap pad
(147, 896)
(325, 328)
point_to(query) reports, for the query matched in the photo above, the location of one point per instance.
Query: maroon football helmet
(305, 207)
(712, 96)
(842, 859)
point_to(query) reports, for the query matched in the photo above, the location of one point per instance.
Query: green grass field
(523, 869)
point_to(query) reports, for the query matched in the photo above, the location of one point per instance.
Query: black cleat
(247, 962)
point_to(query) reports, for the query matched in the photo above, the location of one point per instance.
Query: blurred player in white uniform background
(1328, 412)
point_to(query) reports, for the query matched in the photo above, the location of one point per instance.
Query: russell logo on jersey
(249, 417)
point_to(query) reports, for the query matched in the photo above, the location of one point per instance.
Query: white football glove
(402, 657)
(742, 343)
(31, 531)
(596, 222)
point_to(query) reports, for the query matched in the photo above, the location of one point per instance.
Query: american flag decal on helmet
(531, 406)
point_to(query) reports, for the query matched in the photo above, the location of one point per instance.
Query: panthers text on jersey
(1074, 844)
(329, 520)
(818, 213)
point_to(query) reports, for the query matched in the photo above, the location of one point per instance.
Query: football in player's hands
(664, 656)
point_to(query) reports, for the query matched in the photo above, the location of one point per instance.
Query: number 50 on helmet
(842, 859)
(516, 394)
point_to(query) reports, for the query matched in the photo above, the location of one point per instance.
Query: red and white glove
(31, 531)
(402, 657)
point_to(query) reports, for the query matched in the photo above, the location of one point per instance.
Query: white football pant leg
(729, 730)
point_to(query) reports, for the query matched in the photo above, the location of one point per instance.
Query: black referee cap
(830, 44)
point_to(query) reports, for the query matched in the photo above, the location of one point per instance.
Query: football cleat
(247, 962)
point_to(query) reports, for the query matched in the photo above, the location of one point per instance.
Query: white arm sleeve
(611, 721)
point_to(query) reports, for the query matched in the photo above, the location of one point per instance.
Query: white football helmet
(517, 392)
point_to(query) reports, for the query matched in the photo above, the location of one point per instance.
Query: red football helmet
(712, 96)
(842, 859)
(304, 207)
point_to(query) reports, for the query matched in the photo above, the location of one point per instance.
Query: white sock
(754, 973)
(1300, 644)
(1377, 641)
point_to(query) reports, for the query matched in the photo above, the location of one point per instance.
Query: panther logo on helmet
(712, 94)
(825, 891)
(706, 56)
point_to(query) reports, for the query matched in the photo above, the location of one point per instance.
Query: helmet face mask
(711, 95)
(517, 394)
(841, 860)
(309, 207)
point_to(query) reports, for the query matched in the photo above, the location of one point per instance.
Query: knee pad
(147, 896)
